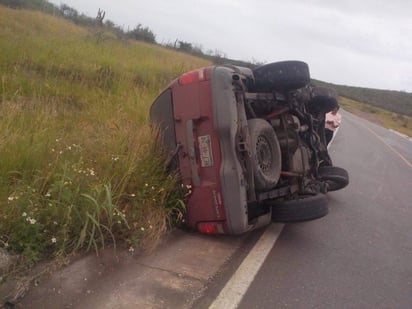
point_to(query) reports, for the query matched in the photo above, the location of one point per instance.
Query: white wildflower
(131, 249)
(24, 214)
(54, 240)
(142, 229)
(13, 197)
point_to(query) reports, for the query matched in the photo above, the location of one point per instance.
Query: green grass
(388, 119)
(79, 165)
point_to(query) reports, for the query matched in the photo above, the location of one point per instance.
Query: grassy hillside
(383, 117)
(79, 165)
(391, 109)
(395, 101)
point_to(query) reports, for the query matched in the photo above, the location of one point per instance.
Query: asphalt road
(360, 255)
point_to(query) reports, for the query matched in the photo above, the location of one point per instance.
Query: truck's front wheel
(304, 208)
(336, 178)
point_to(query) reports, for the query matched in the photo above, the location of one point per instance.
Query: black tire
(266, 155)
(336, 178)
(304, 208)
(322, 100)
(285, 75)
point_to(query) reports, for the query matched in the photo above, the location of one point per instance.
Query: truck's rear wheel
(285, 75)
(266, 155)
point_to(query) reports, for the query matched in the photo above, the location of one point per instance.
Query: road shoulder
(173, 276)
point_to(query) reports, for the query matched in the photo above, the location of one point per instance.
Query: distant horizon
(354, 86)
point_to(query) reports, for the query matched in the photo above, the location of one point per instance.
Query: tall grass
(79, 164)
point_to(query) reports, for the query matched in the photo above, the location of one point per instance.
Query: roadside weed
(80, 167)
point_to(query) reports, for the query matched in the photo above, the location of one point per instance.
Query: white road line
(389, 146)
(234, 290)
(333, 136)
(401, 135)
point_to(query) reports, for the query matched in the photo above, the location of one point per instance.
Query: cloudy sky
(360, 43)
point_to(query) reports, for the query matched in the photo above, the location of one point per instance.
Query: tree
(69, 12)
(141, 33)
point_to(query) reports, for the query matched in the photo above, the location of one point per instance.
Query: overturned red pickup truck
(250, 145)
